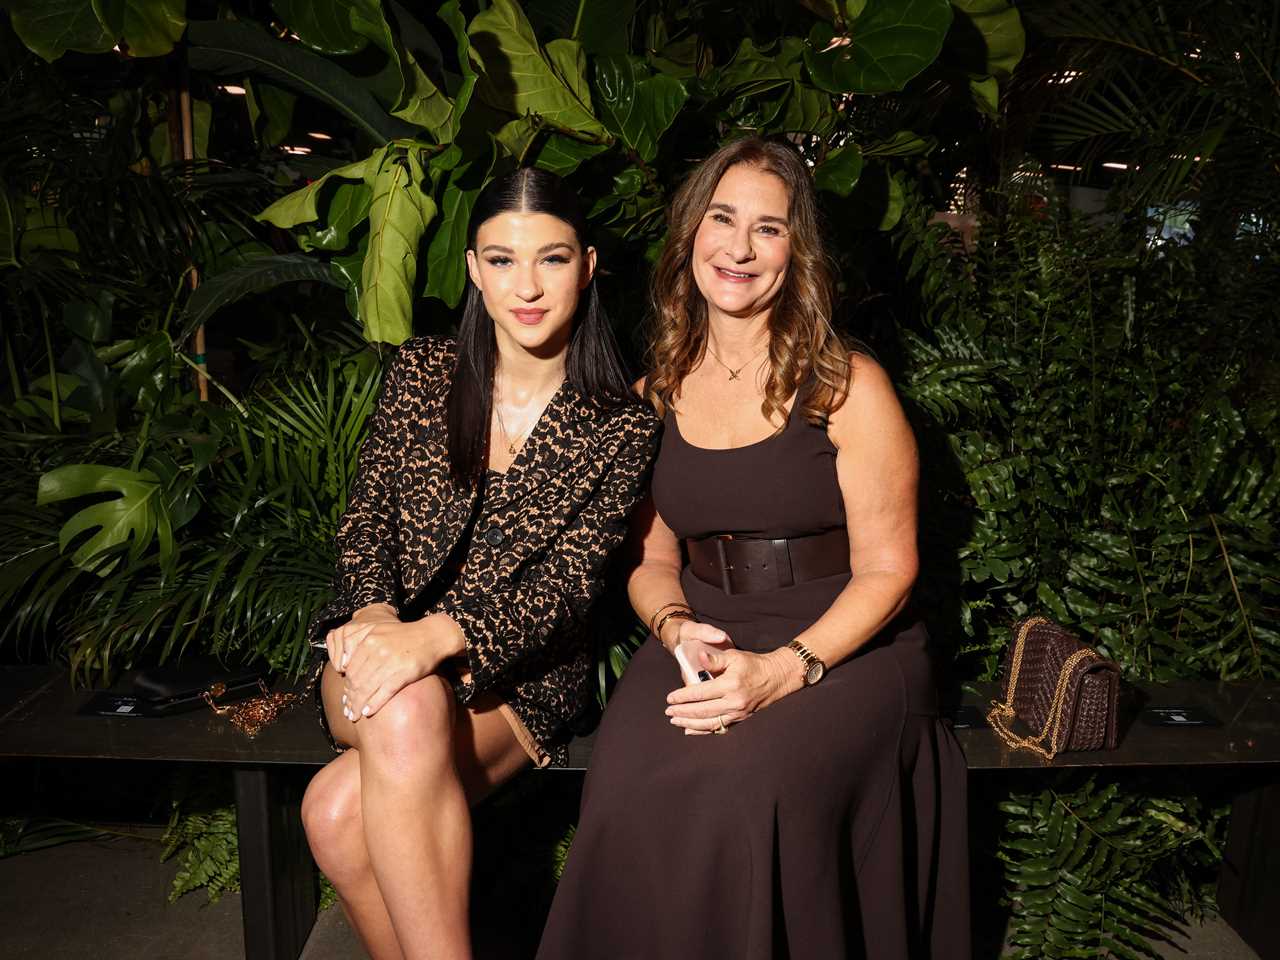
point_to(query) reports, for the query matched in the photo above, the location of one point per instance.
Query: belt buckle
(726, 567)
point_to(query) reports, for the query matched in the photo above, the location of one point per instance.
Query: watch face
(815, 672)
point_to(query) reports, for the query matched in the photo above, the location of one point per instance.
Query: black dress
(831, 824)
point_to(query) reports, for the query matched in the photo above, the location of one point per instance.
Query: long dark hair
(593, 365)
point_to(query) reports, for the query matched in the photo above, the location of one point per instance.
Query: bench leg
(278, 886)
(1249, 884)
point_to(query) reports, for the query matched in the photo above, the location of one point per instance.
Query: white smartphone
(687, 669)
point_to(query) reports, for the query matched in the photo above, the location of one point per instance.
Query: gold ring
(723, 728)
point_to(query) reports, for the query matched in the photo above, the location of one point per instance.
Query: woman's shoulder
(428, 354)
(635, 425)
(429, 350)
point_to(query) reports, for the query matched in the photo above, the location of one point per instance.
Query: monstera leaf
(521, 78)
(135, 515)
(888, 44)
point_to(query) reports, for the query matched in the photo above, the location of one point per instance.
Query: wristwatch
(814, 669)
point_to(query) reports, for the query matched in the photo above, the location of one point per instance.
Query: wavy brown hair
(802, 341)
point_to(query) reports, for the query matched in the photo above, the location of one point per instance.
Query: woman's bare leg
(389, 821)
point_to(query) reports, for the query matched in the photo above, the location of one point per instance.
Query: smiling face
(742, 246)
(530, 270)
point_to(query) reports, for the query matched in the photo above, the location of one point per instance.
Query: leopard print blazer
(539, 541)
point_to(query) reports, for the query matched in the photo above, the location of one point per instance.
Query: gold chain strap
(251, 715)
(1002, 714)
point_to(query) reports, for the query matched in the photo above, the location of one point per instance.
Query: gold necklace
(733, 374)
(514, 444)
(511, 444)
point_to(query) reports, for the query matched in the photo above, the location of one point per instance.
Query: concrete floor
(107, 900)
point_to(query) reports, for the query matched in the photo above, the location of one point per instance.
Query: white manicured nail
(364, 711)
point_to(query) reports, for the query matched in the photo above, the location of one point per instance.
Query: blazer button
(494, 536)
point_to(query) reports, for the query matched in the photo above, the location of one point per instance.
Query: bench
(38, 719)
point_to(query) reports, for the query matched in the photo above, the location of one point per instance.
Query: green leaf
(225, 47)
(636, 107)
(419, 101)
(986, 95)
(348, 208)
(518, 76)
(840, 171)
(877, 202)
(599, 27)
(227, 287)
(527, 140)
(837, 10)
(275, 106)
(8, 232)
(891, 42)
(50, 28)
(323, 25)
(150, 28)
(301, 205)
(135, 516)
(988, 34)
(399, 214)
(89, 320)
(903, 143)
(46, 229)
(446, 253)
(451, 14)
(751, 73)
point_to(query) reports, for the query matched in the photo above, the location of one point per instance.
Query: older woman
(773, 565)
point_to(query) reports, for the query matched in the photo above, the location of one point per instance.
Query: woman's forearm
(862, 609)
(650, 587)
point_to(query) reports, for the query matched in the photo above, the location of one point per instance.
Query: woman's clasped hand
(741, 682)
(379, 655)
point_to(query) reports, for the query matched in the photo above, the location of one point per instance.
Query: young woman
(776, 555)
(498, 474)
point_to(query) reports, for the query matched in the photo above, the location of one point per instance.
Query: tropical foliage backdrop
(216, 219)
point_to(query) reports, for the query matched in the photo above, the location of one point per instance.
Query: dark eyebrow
(730, 208)
(545, 248)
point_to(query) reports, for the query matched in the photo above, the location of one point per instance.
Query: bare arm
(878, 472)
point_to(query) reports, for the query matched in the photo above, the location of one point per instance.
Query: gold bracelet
(676, 614)
(673, 603)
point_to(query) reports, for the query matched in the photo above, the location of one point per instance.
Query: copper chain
(1002, 714)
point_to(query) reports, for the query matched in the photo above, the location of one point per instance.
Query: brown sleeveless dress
(831, 824)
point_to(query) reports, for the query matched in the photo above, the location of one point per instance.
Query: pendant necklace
(733, 374)
(513, 443)
(502, 427)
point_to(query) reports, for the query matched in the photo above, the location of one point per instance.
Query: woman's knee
(331, 812)
(414, 726)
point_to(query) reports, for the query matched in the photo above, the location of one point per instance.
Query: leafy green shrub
(1101, 431)
(1094, 869)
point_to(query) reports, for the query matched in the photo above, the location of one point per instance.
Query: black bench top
(38, 719)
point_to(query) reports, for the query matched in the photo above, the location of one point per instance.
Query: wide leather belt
(749, 564)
